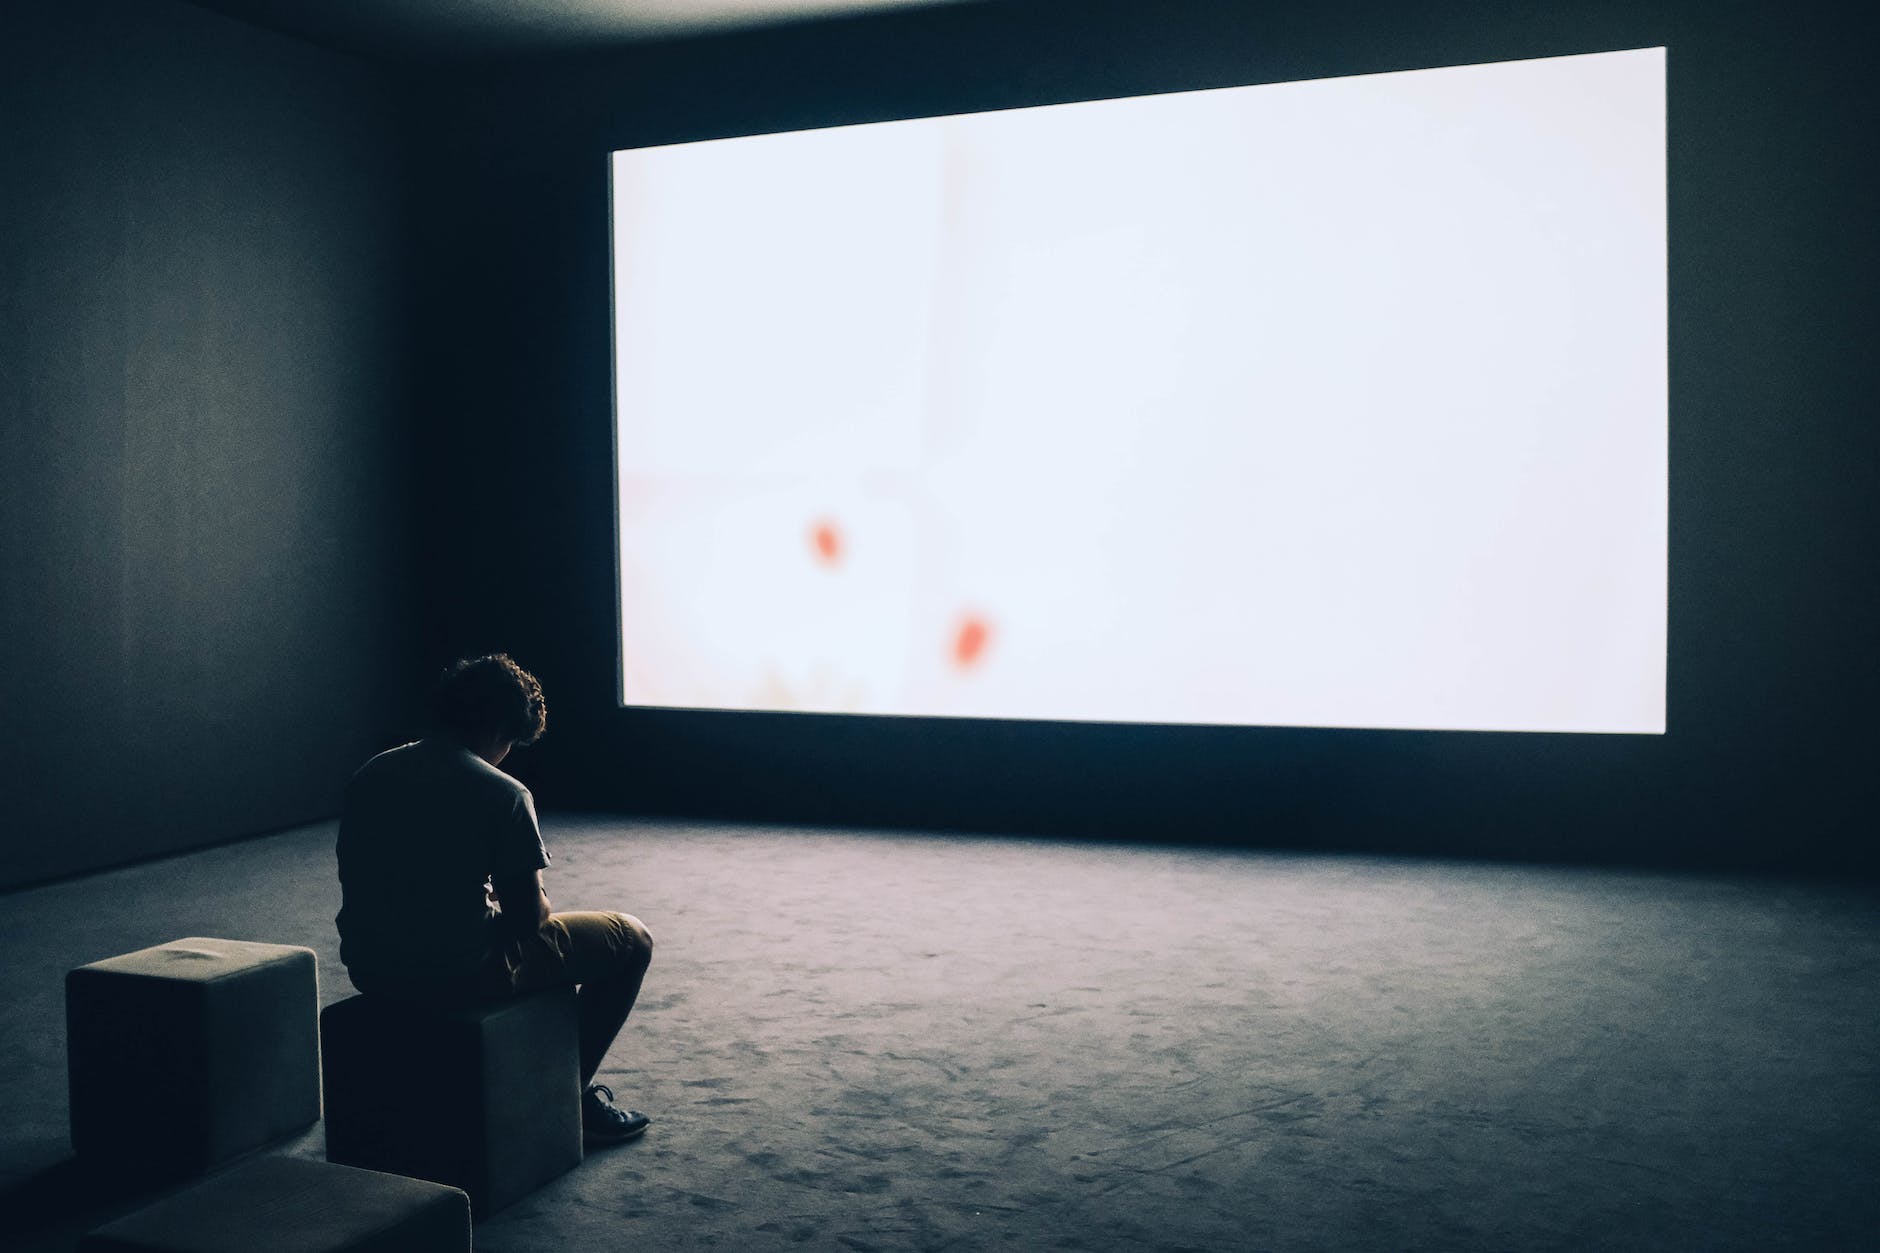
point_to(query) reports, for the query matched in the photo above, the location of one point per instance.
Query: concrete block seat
(292, 1205)
(191, 1053)
(487, 1098)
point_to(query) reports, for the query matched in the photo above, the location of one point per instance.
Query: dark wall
(206, 614)
(1773, 443)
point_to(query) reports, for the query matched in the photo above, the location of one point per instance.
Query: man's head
(490, 703)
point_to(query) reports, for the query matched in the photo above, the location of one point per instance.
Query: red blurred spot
(827, 541)
(969, 642)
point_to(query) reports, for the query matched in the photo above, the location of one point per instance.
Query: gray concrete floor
(888, 1041)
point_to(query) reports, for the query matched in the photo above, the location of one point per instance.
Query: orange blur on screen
(826, 540)
(969, 642)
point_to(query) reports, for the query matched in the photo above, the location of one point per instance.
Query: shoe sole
(596, 1141)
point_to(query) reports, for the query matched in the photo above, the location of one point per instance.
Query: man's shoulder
(498, 782)
(390, 758)
(391, 762)
(439, 763)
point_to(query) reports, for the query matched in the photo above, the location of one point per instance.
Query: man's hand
(523, 902)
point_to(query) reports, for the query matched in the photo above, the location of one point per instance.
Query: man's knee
(636, 940)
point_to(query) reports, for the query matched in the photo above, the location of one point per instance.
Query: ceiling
(453, 30)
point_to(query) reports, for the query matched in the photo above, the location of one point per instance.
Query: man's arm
(523, 902)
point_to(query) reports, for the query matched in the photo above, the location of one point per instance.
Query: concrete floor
(888, 1041)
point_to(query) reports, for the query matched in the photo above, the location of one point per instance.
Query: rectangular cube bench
(292, 1205)
(215, 1043)
(487, 1099)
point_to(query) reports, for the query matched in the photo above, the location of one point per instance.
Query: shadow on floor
(55, 1205)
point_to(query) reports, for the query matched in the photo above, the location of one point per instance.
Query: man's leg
(606, 956)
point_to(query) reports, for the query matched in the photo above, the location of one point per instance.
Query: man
(440, 870)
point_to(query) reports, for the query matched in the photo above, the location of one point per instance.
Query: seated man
(440, 870)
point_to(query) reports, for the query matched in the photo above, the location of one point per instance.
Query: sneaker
(603, 1122)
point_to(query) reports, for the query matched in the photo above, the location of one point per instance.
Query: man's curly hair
(480, 697)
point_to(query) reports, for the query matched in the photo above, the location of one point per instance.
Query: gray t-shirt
(424, 829)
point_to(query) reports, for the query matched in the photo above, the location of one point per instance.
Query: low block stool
(292, 1205)
(191, 1053)
(487, 1099)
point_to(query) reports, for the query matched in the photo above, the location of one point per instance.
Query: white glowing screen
(1335, 403)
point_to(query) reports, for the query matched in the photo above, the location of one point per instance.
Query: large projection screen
(1334, 403)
